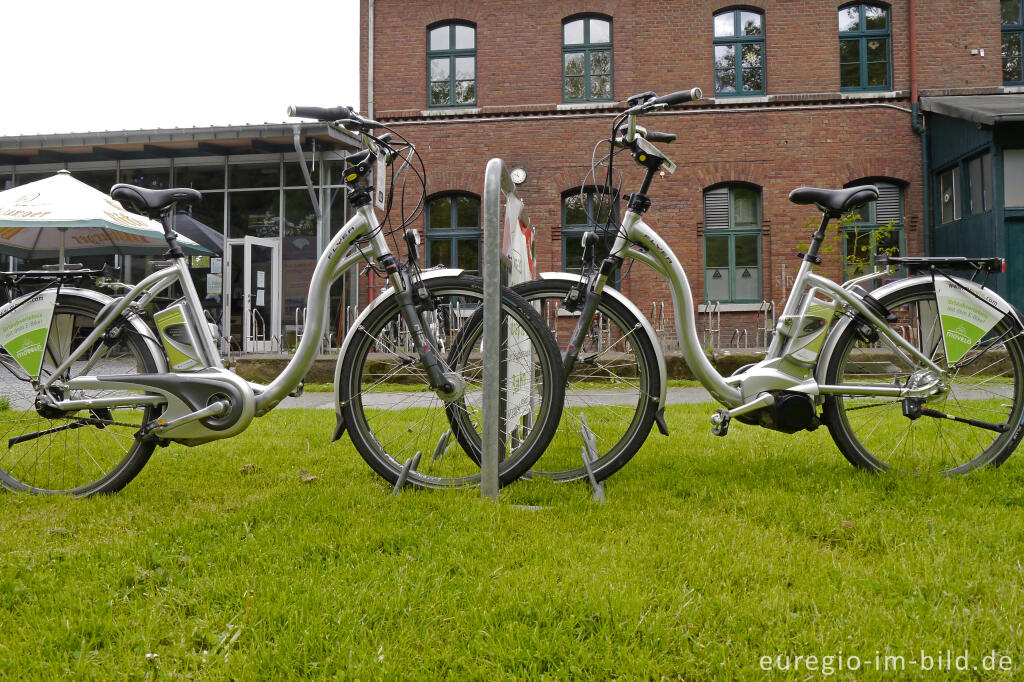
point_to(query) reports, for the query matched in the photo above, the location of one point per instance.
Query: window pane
(1011, 44)
(465, 68)
(102, 180)
(441, 93)
(573, 33)
(439, 38)
(467, 211)
(440, 252)
(878, 74)
(464, 37)
(849, 76)
(574, 64)
(151, 178)
(440, 211)
(877, 50)
(574, 210)
(465, 92)
(744, 203)
(600, 63)
(440, 69)
(849, 51)
(716, 284)
(254, 214)
(748, 283)
(573, 252)
(600, 31)
(976, 186)
(725, 56)
(753, 79)
(858, 252)
(602, 208)
(947, 196)
(986, 177)
(752, 54)
(875, 18)
(746, 250)
(1010, 11)
(725, 25)
(849, 19)
(468, 254)
(750, 24)
(1012, 70)
(574, 88)
(725, 80)
(1013, 177)
(716, 252)
(601, 87)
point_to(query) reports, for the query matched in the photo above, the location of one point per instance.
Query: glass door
(254, 310)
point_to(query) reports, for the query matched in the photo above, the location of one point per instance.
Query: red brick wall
(804, 133)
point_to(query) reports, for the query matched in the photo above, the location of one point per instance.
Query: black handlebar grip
(655, 136)
(320, 113)
(674, 98)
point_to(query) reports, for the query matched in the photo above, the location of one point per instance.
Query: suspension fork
(412, 297)
(595, 287)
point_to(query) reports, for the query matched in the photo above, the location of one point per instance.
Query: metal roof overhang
(984, 109)
(170, 142)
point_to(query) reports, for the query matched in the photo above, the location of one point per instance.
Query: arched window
(864, 62)
(587, 59)
(451, 65)
(732, 244)
(453, 231)
(874, 228)
(586, 210)
(739, 53)
(1013, 34)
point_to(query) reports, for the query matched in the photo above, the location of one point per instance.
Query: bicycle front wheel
(83, 452)
(392, 413)
(613, 387)
(986, 386)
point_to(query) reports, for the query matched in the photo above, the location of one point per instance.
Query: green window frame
(739, 32)
(453, 231)
(451, 65)
(865, 48)
(587, 59)
(732, 244)
(586, 209)
(866, 232)
(1012, 16)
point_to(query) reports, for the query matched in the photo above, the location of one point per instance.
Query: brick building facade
(812, 93)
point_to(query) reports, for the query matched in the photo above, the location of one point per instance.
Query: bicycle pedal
(720, 422)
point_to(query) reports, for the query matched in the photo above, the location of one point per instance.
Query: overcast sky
(119, 65)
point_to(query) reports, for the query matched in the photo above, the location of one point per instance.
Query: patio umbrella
(59, 214)
(198, 232)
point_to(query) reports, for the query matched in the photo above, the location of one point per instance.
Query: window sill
(576, 106)
(453, 111)
(1013, 89)
(732, 307)
(871, 94)
(751, 99)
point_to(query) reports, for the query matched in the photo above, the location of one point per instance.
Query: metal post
(492, 322)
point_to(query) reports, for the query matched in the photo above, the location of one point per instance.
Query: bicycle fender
(837, 329)
(386, 294)
(648, 329)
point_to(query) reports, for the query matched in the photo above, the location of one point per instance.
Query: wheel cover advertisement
(964, 317)
(518, 249)
(24, 329)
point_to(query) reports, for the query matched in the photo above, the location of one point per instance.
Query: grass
(278, 556)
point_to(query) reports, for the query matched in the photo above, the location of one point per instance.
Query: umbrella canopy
(200, 233)
(59, 214)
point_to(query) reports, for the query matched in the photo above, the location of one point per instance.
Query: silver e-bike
(91, 384)
(921, 374)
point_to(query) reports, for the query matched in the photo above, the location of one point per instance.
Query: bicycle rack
(589, 454)
(410, 465)
(713, 324)
(766, 329)
(442, 446)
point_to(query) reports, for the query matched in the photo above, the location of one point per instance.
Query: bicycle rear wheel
(392, 413)
(86, 451)
(613, 387)
(986, 385)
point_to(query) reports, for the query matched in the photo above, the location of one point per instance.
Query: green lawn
(280, 559)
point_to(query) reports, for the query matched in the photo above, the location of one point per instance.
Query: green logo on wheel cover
(24, 330)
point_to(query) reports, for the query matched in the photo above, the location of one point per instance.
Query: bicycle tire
(990, 387)
(388, 426)
(617, 387)
(78, 460)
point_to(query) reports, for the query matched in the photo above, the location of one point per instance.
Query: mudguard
(833, 336)
(426, 275)
(648, 329)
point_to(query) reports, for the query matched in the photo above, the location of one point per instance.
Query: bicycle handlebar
(346, 117)
(673, 98)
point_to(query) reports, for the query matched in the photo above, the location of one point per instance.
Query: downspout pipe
(369, 62)
(922, 132)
